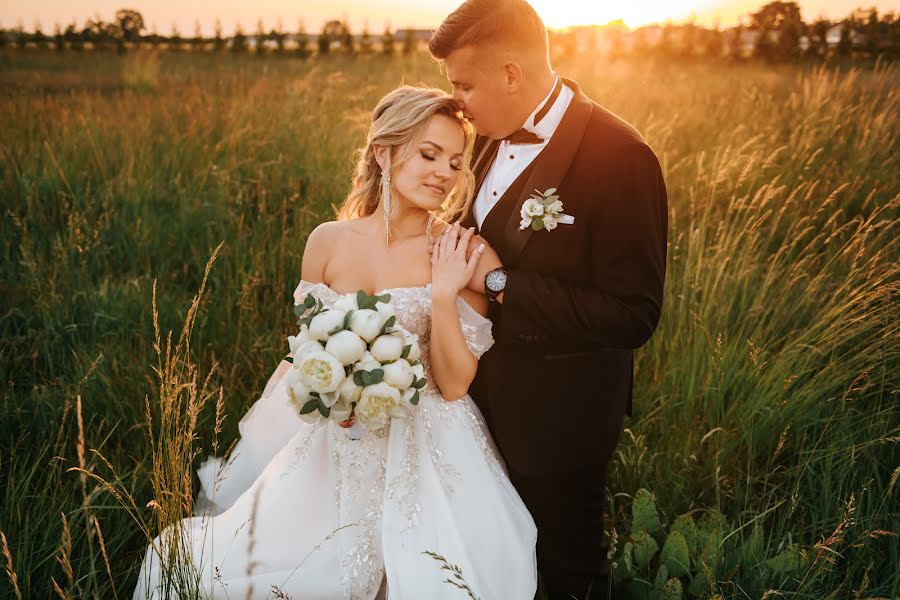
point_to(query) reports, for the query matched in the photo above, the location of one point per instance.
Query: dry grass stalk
(10, 570)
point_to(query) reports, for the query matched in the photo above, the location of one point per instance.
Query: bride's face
(427, 178)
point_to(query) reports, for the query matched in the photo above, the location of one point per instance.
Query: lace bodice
(413, 309)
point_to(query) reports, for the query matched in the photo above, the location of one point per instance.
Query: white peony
(366, 323)
(387, 348)
(298, 394)
(418, 371)
(367, 363)
(414, 352)
(346, 303)
(346, 346)
(376, 404)
(549, 222)
(295, 341)
(532, 208)
(385, 309)
(324, 323)
(329, 399)
(408, 394)
(321, 372)
(305, 348)
(349, 391)
(398, 374)
(340, 411)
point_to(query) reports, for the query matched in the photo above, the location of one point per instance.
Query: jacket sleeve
(628, 223)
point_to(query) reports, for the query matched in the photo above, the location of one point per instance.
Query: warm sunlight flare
(566, 13)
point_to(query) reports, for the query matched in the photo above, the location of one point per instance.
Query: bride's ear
(381, 155)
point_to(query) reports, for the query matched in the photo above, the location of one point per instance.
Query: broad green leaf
(672, 590)
(685, 525)
(675, 555)
(643, 513)
(645, 548)
(415, 399)
(662, 575)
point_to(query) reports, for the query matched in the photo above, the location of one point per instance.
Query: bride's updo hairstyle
(399, 122)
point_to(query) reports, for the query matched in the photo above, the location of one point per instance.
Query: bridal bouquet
(352, 358)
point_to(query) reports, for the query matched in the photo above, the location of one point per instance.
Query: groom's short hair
(478, 22)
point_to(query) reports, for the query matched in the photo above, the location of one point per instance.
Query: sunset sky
(399, 13)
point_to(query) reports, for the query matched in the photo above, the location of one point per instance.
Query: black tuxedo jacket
(579, 299)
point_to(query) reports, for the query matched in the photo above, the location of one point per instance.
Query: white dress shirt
(512, 159)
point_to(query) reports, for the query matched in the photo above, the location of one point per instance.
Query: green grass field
(766, 404)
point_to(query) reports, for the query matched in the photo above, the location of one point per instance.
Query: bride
(306, 511)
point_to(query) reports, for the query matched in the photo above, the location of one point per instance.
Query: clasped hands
(460, 259)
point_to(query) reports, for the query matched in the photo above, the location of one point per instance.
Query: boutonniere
(544, 210)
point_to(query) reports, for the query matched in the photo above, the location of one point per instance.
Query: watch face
(496, 281)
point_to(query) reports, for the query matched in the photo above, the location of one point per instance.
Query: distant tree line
(774, 33)
(127, 31)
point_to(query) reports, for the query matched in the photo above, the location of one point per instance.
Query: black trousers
(571, 544)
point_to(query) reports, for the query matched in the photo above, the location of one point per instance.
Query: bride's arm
(452, 362)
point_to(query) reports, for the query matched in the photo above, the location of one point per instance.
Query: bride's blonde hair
(398, 122)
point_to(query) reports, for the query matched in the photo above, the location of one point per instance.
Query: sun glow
(566, 13)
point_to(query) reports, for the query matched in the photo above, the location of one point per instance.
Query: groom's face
(481, 88)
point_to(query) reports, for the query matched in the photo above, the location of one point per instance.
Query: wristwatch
(495, 282)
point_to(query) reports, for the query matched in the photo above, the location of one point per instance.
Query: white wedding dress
(305, 511)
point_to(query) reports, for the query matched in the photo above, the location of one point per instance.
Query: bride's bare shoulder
(317, 251)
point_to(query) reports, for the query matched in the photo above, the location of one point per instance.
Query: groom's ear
(512, 76)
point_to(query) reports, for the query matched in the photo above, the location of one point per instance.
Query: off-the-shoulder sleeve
(319, 291)
(476, 328)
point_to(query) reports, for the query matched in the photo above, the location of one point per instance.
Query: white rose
(321, 372)
(376, 403)
(366, 323)
(387, 348)
(532, 208)
(346, 303)
(349, 391)
(324, 323)
(340, 411)
(346, 346)
(298, 394)
(398, 374)
(549, 222)
(418, 371)
(385, 309)
(525, 223)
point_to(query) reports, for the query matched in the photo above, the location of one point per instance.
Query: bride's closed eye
(455, 167)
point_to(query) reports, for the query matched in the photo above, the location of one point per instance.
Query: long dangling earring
(386, 198)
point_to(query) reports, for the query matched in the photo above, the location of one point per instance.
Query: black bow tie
(522, 135)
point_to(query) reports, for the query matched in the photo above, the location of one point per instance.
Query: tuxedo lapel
(549, 169)
(484, 152)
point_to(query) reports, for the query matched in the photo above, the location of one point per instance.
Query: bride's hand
(450, 270)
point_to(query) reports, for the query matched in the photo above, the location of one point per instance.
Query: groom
(571, 300)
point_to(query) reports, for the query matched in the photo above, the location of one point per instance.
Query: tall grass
(769, 389)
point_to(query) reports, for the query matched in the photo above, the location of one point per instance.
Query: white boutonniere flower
(543, 210)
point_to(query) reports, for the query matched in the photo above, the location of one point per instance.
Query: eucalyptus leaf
(537, 224)
(310, 406)
(415, 399)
